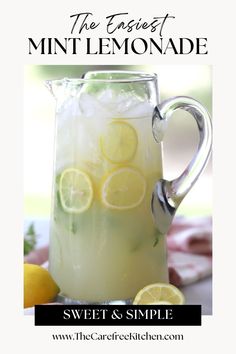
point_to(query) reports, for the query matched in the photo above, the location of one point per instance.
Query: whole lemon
(39, 286)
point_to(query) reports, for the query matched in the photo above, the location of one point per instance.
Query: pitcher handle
(168, 195)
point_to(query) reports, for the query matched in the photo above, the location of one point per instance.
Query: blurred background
(180, 141)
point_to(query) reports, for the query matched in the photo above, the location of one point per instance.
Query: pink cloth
(189, 250)
(39, 256)
(192, 235)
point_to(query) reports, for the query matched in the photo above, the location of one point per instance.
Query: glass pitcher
(111, 207)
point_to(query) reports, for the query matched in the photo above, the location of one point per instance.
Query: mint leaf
(156, 240)
(29, 239)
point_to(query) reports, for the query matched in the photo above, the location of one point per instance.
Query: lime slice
(159, 294)
(119, 142)
(76, 191)
(123, 189)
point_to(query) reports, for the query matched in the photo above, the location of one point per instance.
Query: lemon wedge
(159, 294)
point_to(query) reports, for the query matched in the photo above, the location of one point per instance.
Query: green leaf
(156, 240)
(30, 239)
(58, 198)
(30, 230)
(73, 227)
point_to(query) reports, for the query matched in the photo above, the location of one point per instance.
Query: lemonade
(104, 245)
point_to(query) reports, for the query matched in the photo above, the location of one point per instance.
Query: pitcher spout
(56, 87)
(49, 85)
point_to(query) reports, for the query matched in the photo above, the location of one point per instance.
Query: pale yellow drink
(108, 248)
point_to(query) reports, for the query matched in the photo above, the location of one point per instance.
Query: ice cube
(67, 111)
(140, 109)
(124, 103)
(91, 107)
(106, 97)
(116, 102)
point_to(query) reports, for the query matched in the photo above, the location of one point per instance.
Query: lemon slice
(76, 191)
(160, 303)
(123, 189)
(159, 293)
(119, 142)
